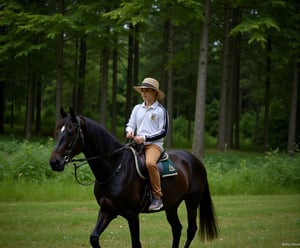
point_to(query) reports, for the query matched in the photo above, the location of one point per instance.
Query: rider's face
(149, 95)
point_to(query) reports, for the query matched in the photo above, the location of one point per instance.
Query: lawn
(256, 196)
(245, 221)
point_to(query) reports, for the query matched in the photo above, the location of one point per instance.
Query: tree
(293, 110)
(2, 86)
(104, 84)
(198, 141)
(225, 108)
(1, 106)
(168, 72)
(162, 45)
(59, 64)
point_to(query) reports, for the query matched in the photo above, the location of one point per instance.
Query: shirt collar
(154, 105)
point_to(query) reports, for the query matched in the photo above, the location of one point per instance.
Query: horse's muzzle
(57, 164)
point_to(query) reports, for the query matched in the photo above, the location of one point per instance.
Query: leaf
(257, 29)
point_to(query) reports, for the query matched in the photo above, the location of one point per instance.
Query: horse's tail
(209, 228)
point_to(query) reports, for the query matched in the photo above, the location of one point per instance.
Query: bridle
(68, 156)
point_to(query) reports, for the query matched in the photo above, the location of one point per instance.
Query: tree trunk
(267, 98)
(38, 103)
(81, 75)
(291, 146)
(236, 80)
(129, 74)
(222, 142)
(114, 88)
(170, 27)
(104, 85)
(59, 66)
(2, 87)
(30, 97)
(2, 102)
(198, 140)
(75, 83)
(136, 58)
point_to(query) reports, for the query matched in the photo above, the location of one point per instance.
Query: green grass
(20, 191)
(245, 221)
(256, 197)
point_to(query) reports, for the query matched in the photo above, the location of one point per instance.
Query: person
(148, 125)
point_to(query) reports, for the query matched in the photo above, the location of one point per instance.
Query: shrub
(229, 172)
(232, 173)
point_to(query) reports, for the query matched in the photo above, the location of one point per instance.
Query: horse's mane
(99, 137)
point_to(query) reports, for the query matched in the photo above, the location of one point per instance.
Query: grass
(256, 197)
(245, 221)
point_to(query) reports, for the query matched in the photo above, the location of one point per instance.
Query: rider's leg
(152, 153)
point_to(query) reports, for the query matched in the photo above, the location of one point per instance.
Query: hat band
(148, 85)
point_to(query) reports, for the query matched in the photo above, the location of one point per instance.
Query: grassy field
(245, 221)
(257, 199)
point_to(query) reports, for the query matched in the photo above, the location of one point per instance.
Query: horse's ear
(73, 115)
(63, 112)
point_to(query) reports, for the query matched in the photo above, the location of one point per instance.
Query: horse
(120, 190)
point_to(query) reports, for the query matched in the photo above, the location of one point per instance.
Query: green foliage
(256, 29)
(28, 161)
(136, 12)
(211, 117)
(24, 161)
(247, 125)
(229, 172)
(180, 133)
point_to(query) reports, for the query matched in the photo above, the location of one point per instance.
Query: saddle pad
(167, 168)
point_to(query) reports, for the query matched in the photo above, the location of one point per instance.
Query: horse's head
(69, 140)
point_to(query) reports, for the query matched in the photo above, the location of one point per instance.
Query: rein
(85, 160)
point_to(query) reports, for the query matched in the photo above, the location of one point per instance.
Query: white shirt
(151, 122)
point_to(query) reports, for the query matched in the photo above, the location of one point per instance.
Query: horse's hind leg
(192, 205)
(172, 217)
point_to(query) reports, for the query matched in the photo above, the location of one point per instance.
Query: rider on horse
(148, 125)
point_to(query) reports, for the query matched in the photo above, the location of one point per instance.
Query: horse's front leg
(134, 227)
(104, 218)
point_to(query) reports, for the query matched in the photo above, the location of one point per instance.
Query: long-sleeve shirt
(151, 122)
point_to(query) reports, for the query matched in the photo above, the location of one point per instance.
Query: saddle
(165, 165)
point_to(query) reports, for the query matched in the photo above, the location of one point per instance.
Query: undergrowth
(228, 173)
(239, 173)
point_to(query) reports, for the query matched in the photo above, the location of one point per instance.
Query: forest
(229, 68)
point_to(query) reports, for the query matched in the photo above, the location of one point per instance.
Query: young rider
(148, 125)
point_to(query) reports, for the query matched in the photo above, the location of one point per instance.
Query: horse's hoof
(94, 242)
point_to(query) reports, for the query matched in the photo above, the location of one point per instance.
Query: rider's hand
(139, 139)
(129, 135)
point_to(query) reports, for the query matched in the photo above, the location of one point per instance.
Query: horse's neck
(102, 146)
(104, 160)
(99, 140)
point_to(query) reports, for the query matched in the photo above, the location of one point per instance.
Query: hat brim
(160, 96)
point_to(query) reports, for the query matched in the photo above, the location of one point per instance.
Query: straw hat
(151, 83)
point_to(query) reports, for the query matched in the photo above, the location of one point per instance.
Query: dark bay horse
(119, 190)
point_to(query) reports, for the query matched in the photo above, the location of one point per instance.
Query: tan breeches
(152, 153)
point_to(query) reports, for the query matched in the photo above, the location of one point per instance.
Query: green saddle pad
(168, 168)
